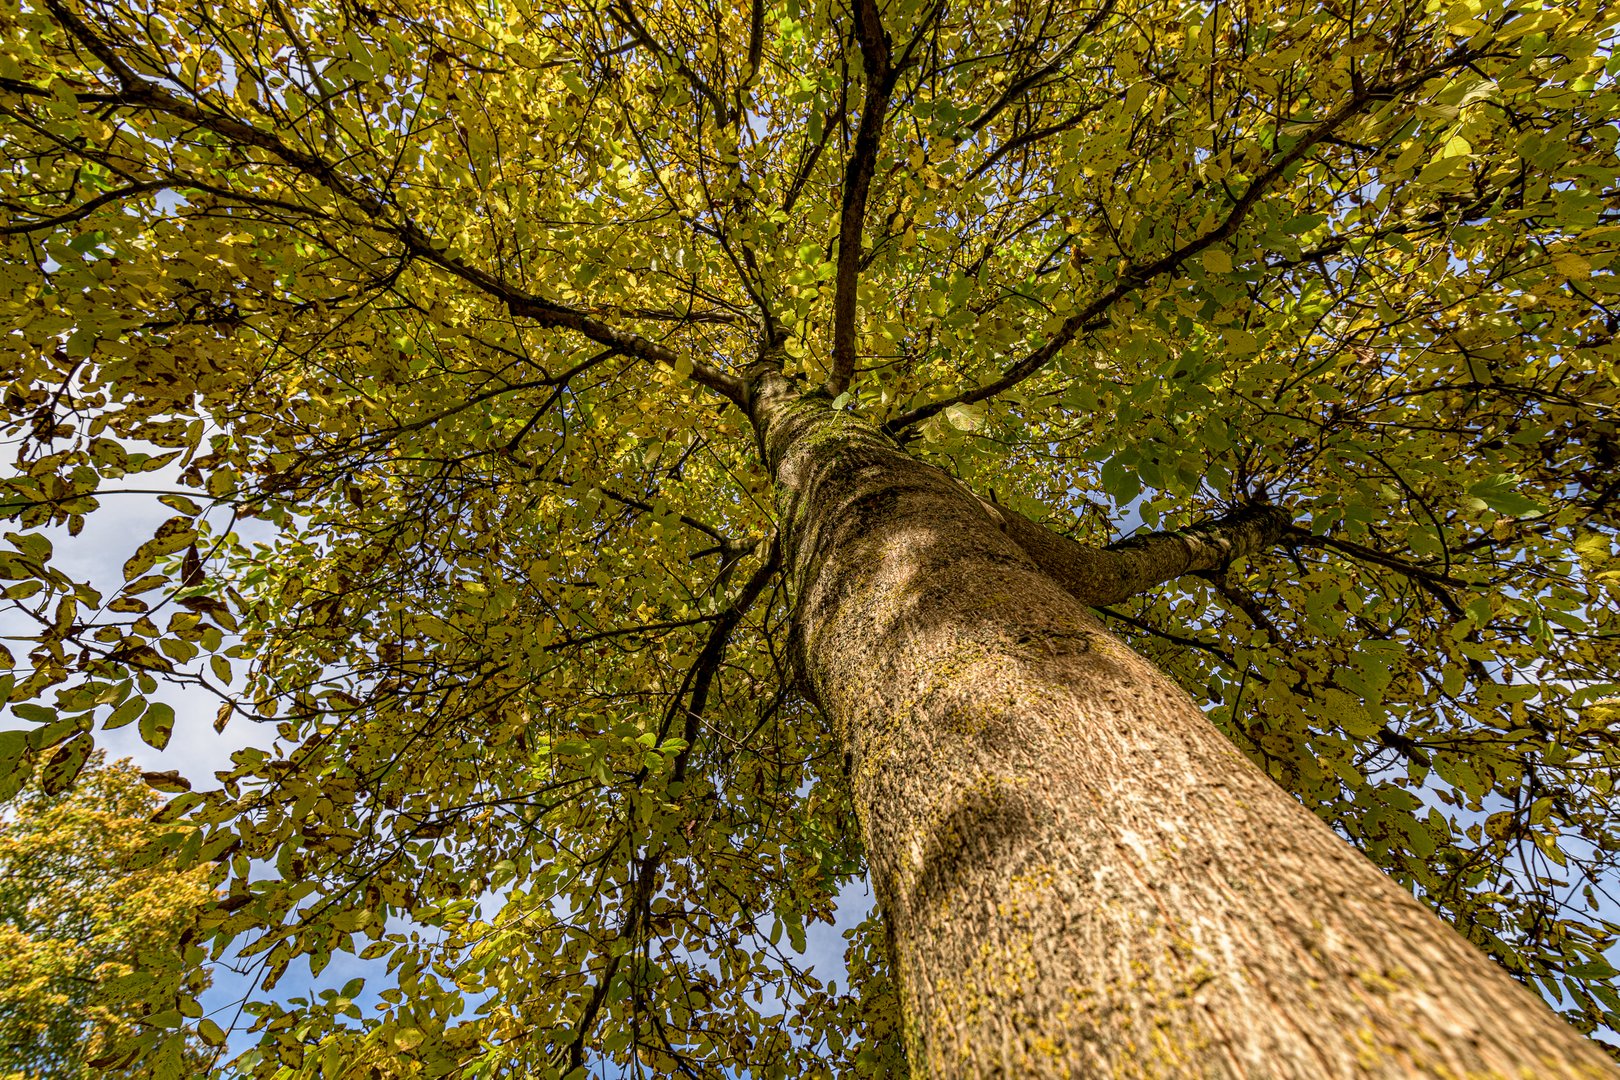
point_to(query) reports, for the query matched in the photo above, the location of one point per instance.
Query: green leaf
(124, 714)
(157, 724)
(1597, 968)
(34, 712)
(1501, 494)
(1121, 484)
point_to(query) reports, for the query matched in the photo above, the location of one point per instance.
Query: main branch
(1101, 576)
(139, 92)
(876, 58)
(1138, 274)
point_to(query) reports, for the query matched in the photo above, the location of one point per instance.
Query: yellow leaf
(1241, 342)
(64, 765)
(1573, 266)
(1135, 96)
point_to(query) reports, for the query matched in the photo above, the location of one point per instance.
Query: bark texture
(1098, 577)
(1083, 877)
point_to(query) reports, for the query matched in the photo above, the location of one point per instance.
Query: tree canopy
(87, 940)
(436, 314)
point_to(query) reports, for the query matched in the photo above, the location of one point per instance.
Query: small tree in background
(85, 931)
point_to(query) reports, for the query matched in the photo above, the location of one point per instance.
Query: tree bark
(1082, 876)
(1098, 577)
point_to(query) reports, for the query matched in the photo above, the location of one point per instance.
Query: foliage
(451, 298)
(87, 941)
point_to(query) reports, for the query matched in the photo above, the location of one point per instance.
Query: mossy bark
(1083, 877)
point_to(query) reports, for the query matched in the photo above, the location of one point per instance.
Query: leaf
(1572, 265)
(1501, 494)
(14, 763)
(1456, 146)
(1121, 484)
(191, 572)
(1440, 168)
(1241, 342)
(124, 714)
(65, 763)
(171, 536)
(965, 417)
(169, 780)
(181, 503)
(157, 724)
(34, 712)
(1136, 96)
(1349, 714)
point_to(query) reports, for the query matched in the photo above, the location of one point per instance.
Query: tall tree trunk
(1083, 877)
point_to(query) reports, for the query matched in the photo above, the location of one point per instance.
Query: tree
(1065, 460)
(81, 936)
